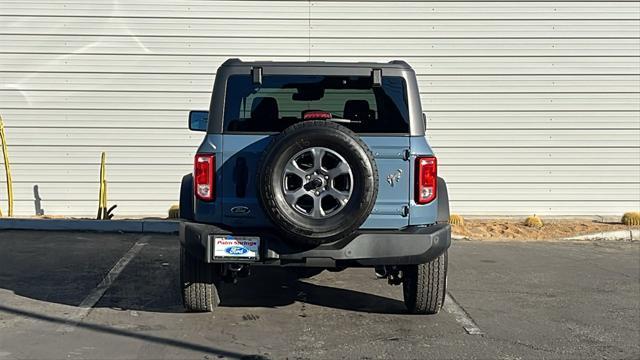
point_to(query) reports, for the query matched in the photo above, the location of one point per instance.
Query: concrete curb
(129, 226)
(172, 226)
(631, 234)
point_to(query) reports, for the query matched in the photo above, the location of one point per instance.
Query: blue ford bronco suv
(314, 166)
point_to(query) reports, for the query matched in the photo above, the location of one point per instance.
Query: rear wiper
(343, 120)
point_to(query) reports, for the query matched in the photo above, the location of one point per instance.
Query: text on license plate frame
(236, 247)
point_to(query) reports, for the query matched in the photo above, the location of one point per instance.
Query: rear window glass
(282, 100)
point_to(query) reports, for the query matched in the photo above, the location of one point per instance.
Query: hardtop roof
(395, 64)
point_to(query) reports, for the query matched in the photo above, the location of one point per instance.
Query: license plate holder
(237, 248)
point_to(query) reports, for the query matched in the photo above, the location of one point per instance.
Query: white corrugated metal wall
(534, 107)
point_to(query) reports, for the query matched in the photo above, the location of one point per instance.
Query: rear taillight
(204, 176)
(426, 179)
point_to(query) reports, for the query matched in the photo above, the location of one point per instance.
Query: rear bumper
(412, 245)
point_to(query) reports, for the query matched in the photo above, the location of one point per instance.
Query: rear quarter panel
(393, 195)
(420, 214)
(211, 211)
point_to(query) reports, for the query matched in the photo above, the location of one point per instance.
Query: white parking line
(96, 294)
(462, 317)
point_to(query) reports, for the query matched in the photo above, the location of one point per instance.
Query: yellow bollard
(102, 196)
(7, 168)
(104, 213)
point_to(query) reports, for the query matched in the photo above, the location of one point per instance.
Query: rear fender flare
(443, 202)
(186, 198)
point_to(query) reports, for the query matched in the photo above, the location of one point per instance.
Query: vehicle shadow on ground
(67, 272)
(265, 288)
(274, 287)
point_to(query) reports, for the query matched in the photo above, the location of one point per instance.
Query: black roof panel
(396, 64)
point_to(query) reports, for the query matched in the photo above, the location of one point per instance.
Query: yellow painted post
(7, 168)
(102, 197)
(103, 171)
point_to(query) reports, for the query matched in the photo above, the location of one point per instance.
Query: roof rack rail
(232, 61)
(398, 62)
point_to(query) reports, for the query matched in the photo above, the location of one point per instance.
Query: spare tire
(318, 182)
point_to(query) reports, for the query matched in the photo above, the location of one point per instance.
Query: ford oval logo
(240, 210)
(236, 250)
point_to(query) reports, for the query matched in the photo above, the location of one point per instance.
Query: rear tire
(199, 282)
(425, 285)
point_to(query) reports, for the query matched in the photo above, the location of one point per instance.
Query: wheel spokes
(292, 196)
(317, 182)
(317, 211)
(341, 169)
(293, 168)
(318, 154)
(341, 197)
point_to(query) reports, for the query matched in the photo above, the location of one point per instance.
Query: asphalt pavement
(67, 295)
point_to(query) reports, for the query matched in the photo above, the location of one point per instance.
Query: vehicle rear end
(252, 116)
(315, 165)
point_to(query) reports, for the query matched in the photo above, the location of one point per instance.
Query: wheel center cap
(317, 182)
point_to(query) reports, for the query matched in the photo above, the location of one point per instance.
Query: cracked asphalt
(530, 299)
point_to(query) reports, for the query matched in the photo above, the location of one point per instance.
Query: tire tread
(199, 288)
(425, 286)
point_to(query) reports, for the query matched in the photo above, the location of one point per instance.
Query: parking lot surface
(88, 295)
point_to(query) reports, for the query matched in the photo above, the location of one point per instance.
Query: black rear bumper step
(408, 246)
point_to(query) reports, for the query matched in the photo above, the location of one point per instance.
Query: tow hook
(232, 272)
(381, 272)
(235, 267)
(393, 275)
